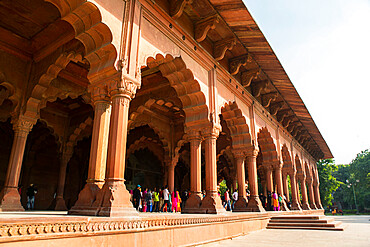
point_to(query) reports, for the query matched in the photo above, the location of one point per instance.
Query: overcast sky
(324, 46)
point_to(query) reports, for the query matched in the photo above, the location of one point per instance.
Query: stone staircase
(306, 222)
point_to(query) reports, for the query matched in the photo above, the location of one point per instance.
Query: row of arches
(92, 127)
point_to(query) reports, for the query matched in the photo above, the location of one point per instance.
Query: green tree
(328, 183)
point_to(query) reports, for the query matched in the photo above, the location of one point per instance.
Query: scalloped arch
(77, 134)
(268, 148)
(287, 159)
(187, 88)
(298, 165)
(152, 145)
(239, 129)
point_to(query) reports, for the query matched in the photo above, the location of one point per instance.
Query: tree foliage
(328, 183)
(354, 179)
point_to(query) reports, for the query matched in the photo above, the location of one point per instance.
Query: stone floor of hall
(356, 233)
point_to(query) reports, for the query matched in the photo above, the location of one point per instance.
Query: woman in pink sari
(175, 198)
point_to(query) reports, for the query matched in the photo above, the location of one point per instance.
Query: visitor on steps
(275, 201)
(137, 196)
(166, 201)
(31, 192)
(235, 198)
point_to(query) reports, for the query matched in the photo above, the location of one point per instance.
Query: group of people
(157, 200)
(273, 201)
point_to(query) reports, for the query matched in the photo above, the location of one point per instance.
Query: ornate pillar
(195, 199)
(285, 185)
(66, 156)
(114, 199)
(241, 203)
(211, 204)
(305, 205)
(312, 194)
(269, 179)
(171, 177)
(98, 153)
(9, 196)
(293, 185)
(254, 204)
(279, 183)
(317, 195)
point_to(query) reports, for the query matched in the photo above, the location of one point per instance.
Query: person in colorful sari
(175, 197)
(275, 201)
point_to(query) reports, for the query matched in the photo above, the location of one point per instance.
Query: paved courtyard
(356, 233)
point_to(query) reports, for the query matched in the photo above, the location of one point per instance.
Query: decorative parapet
(31, 229)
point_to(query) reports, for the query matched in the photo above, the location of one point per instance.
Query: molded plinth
(255, 205)
(86, 198)
(10, 200)
(192, 205)
(114, 200)
(241, 205)
(212, 204)
(60, 204)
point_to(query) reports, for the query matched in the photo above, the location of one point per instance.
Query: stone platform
(149, 229)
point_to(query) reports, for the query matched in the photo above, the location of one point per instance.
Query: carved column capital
(22, 125)
(239, 154)
(252, 151)
(211, 132)
(98, 93)
(125, 87)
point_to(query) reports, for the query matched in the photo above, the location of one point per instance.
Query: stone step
(306, 228)
(303, 217)
(311, 224)
(327, 220)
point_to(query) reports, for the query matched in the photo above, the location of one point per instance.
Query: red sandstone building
(98, 96)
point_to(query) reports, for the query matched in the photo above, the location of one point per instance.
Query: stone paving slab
(356, 233)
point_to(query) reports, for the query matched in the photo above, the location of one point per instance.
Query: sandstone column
(171, 177)
(269, 179)
(241, 203)
(305, 205)
(254, 204)
(317, 195)
(312, 194)
(9, 196)
(293, 185)
(98, 153)
(195, 199)
(285, 186)
(211, 204)
(66, 156)
(279, 183)
(114, 199)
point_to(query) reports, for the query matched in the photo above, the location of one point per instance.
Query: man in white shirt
(235, 197)
(166, 195)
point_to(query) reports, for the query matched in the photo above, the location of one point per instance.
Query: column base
(305, 206)
(284, 207)
(113, 200)
(313, 206)
(241, 205)
(255, 205)
(10, 200)
(192, 205)
(212, 204)
(60, 204)
(295, 206)
(86, 199)
(319, 206)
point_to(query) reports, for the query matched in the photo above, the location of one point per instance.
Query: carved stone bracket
(222, 46)
(287, 120)
(282, 114)
(257, 87)
(275, 107)
(203, 26)
(236, 63)
(178, 6)
(249, 75)
(268, 98)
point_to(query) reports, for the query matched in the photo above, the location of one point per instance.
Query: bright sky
(324, 46)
